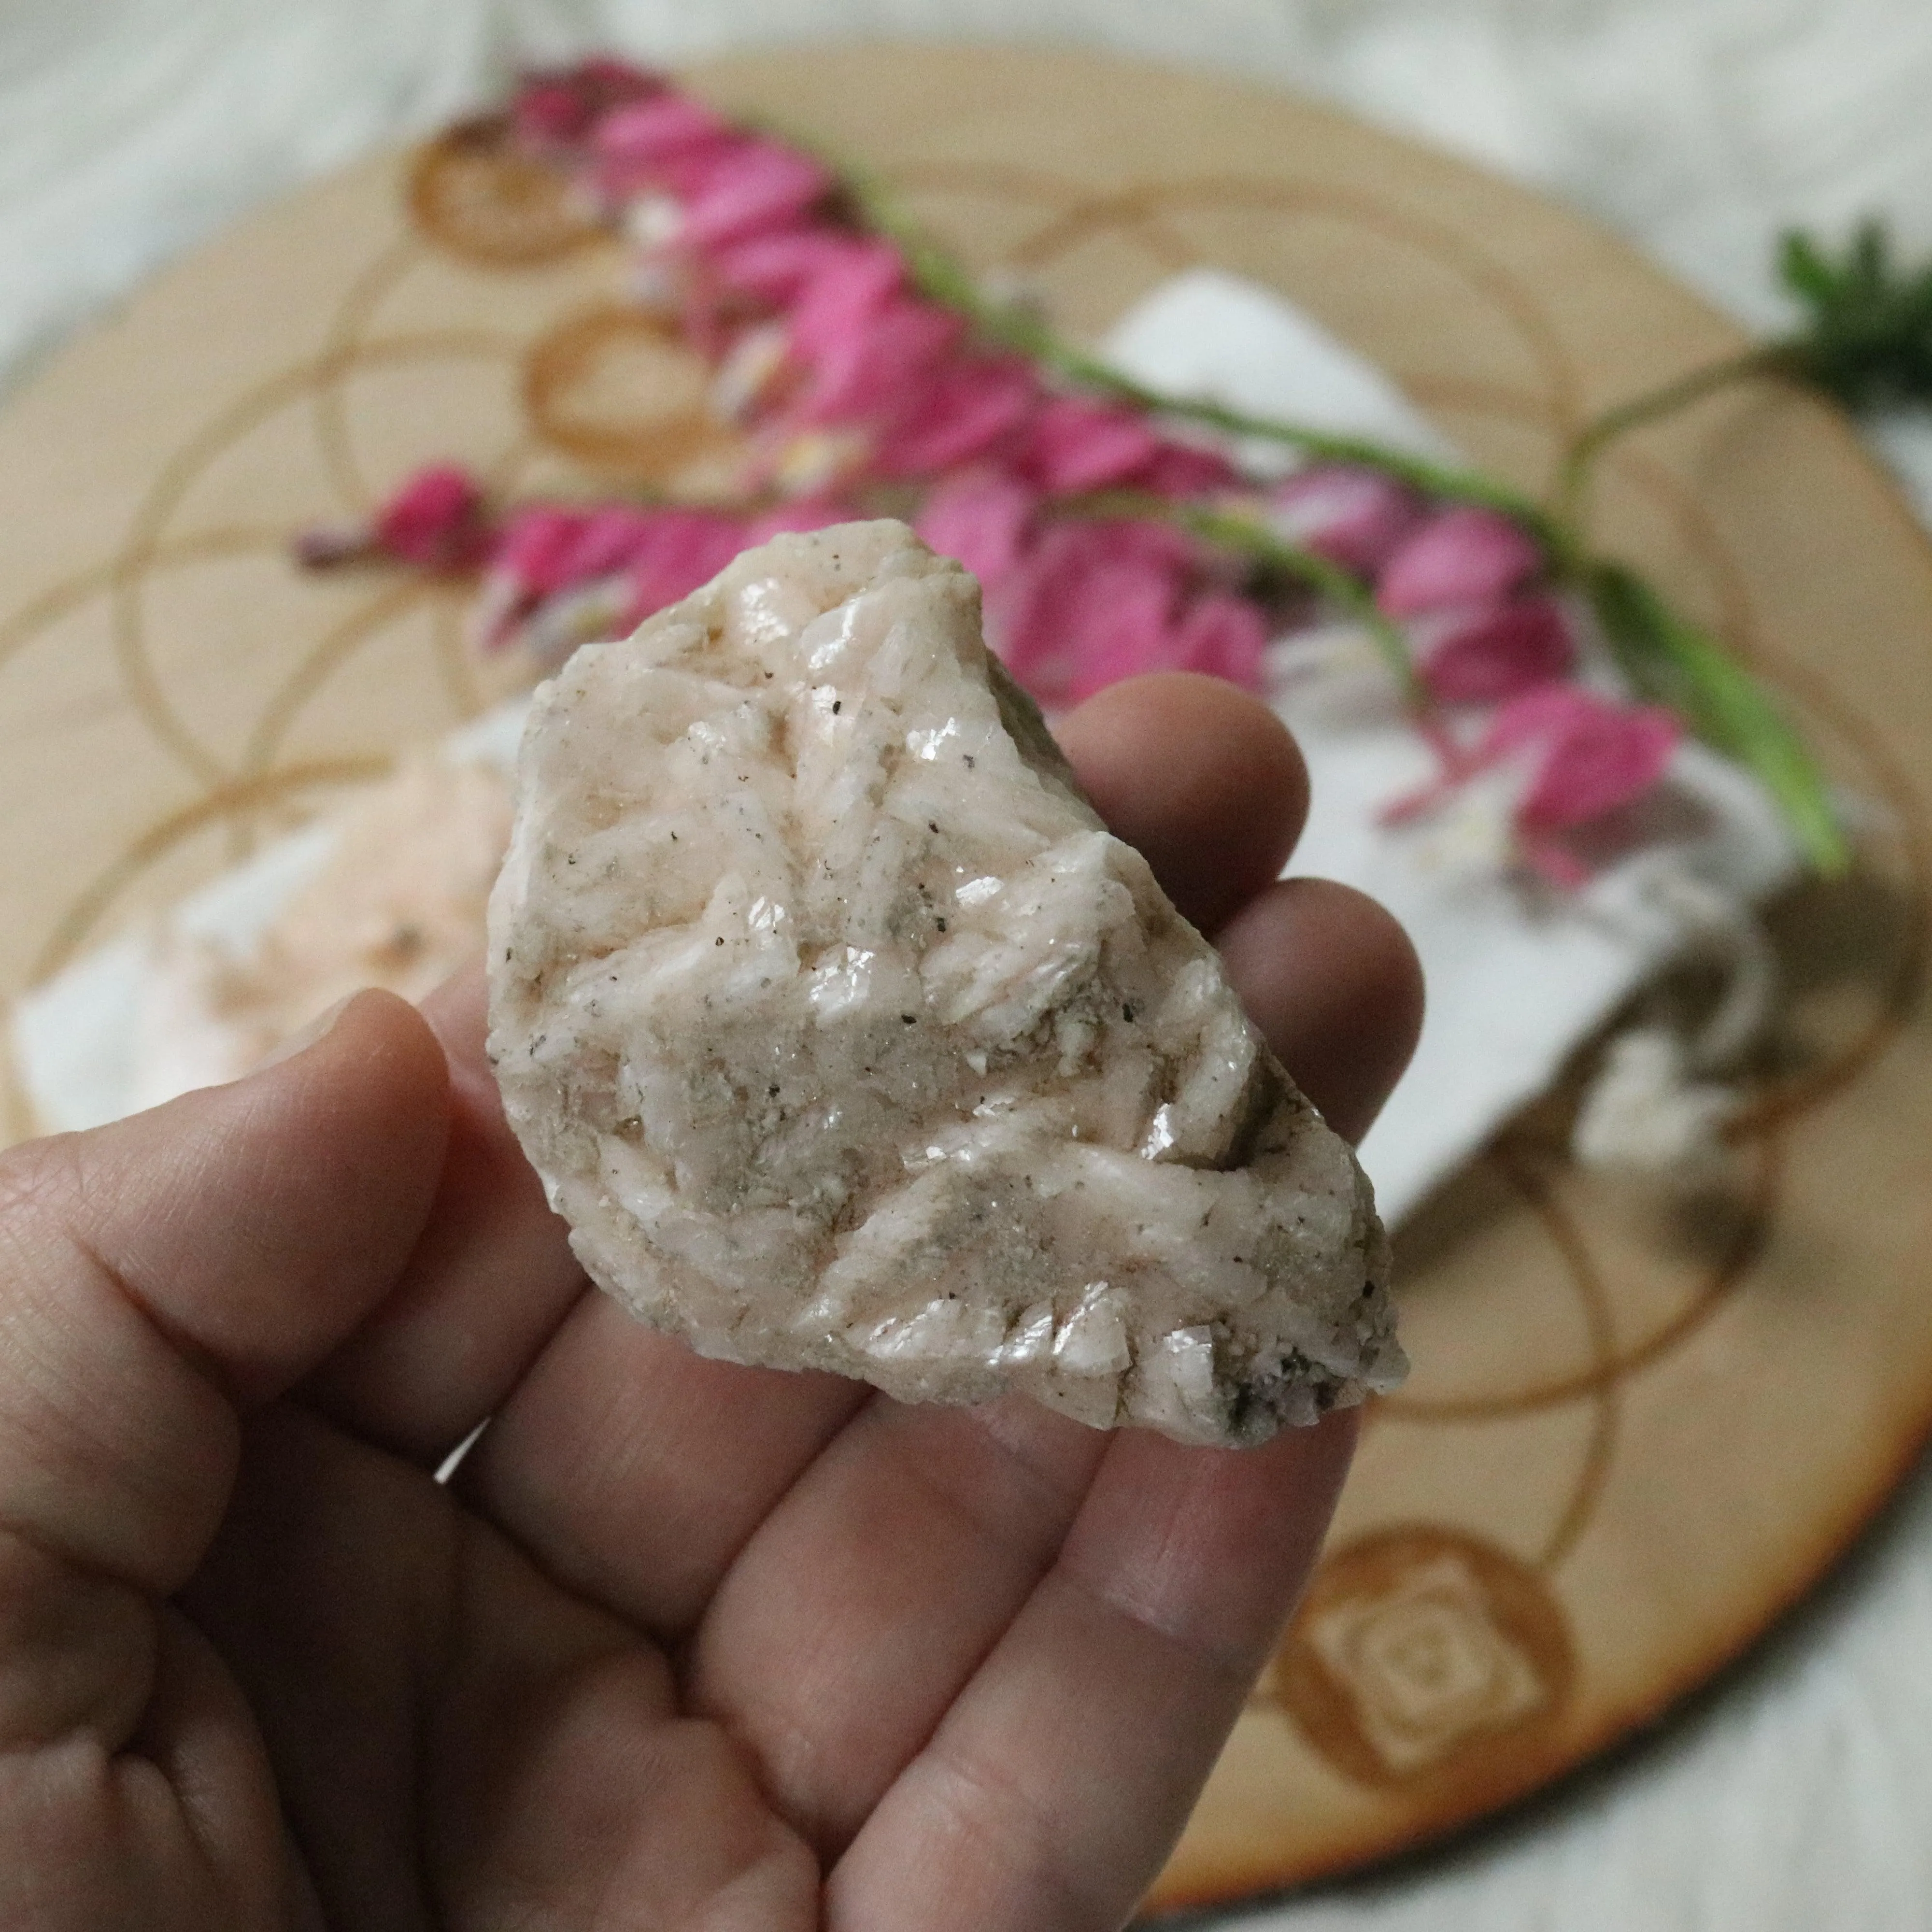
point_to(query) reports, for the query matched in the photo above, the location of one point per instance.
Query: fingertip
(458, 1014)
(258, 1222)
(490, 1279)
(1333, 982)
(1200, 776)
(372, 1039)
(367, 1095)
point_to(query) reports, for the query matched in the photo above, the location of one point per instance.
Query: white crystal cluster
(845, 1036)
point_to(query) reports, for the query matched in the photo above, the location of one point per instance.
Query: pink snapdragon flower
(973, 407)
(1123, 627)
(870, 372)
(1088, 588)
(1074, 444)
(649, 132)
(676, 552)
(1356, 518)
(557, 567)
(842, 285)
(1222, 634)
(548, 551)
(1089, 602)
(1462, 554)
(777, 267)
(818, 290)
(749, 187)
(1178, 470)
(1494, 652)
(1138, 619)
(534, 546)
(847, 377)
(1592, 754)
(668, 145)
(557, 110)
(1580, 756)
(608, 538)
(982, 521)
(526, 566)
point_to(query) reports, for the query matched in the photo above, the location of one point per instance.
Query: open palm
(681, 1644)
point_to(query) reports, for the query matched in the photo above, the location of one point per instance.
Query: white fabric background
(1795, 1796)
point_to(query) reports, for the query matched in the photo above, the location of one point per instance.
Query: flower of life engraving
(1463, 1640)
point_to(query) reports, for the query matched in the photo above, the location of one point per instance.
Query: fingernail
(303, 1038)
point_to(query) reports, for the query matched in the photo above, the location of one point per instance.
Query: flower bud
(435, 520)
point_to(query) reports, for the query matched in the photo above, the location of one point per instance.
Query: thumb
(158, 1274)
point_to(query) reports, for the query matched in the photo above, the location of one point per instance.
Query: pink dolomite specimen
(845, 1037)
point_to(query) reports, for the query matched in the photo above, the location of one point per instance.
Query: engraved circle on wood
(474, 194)
(1635, 1430)
(616, 388)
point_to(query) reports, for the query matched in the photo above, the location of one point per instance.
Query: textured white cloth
(1797, 1795)
(1568, 967)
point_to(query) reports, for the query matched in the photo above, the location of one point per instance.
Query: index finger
(156, 1276)
(491, 1281)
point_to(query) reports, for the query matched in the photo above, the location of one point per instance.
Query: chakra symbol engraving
(1420, 1651)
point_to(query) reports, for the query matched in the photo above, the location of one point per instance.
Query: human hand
(682, 1643)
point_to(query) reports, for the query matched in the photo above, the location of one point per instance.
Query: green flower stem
(1673, 663)
(1765, 358)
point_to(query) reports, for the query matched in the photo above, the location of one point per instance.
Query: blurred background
(1797, 1792)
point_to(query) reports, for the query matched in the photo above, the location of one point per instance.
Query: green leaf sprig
(1865, 341)
(1868, 338)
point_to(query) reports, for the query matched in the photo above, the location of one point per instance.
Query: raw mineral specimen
(845, 1037)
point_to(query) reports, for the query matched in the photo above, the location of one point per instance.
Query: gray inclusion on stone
(843, 1036)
